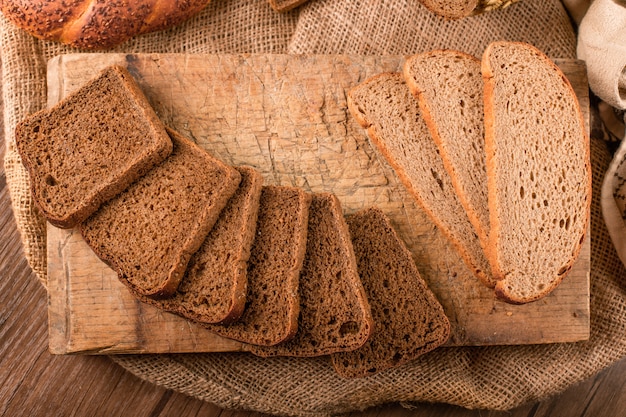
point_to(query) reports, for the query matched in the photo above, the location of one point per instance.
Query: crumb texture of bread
(449, 88)
(409, 320)
(90, 146)
(272, 307)
(213, 289)
(148, 233)
(385, 107)
(539, 171)
(335, 315)
(451, 9)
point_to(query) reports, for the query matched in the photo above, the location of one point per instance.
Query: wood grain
(287, 117)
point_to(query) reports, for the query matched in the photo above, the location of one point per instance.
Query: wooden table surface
(35, 383)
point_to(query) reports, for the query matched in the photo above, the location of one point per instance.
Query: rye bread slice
(90, 146)
(385, 107)
(148, 233)
(214, 287)
(449, 88)
(272, 307)
(539, 171)
(335, 315)
(409, 320)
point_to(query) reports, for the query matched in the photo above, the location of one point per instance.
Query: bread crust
(97, 25)
(492, 250)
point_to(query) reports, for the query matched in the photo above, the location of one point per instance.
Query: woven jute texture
(483, 377)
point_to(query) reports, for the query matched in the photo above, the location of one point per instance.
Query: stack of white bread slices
(495, 152)
(275, 267)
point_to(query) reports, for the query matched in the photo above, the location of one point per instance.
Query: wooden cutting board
(286, 116)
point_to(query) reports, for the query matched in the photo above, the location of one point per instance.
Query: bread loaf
(335, 315)
(539, 171)
(97, 24)
(90, 146)
(385, 107)
(409, 320)
(449, 88)
(148, 233)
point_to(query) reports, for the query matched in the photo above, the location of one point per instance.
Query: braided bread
(97, 24)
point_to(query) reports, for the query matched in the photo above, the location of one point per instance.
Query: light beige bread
(385, 107)
(148, 233)
(271, 312)
(539, 172)
(214, 287)
(335, 315)
(90, 146)
(409, 320)
(449, 88)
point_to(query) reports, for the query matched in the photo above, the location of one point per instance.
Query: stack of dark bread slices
(272, 266)
(496, 153)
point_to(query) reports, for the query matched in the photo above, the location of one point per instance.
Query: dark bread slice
(214, 287)
(385, 107)
(449, 89)
(409, 320)
(148, 233)
(273, 305)
(539, 171)
(335, 315)
(90, 146)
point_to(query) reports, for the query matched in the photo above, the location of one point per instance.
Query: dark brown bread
(213, 289)
(90, 146)
(148, 233)
(272, 307)
(409, 320)
(335, 315)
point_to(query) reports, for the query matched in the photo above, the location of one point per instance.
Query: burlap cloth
(478, 377)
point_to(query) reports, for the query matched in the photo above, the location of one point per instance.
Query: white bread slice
(449, 88)
(385, 107)
(539, 171)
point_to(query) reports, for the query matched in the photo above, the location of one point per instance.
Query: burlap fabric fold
(602, 45)
(485, 377)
